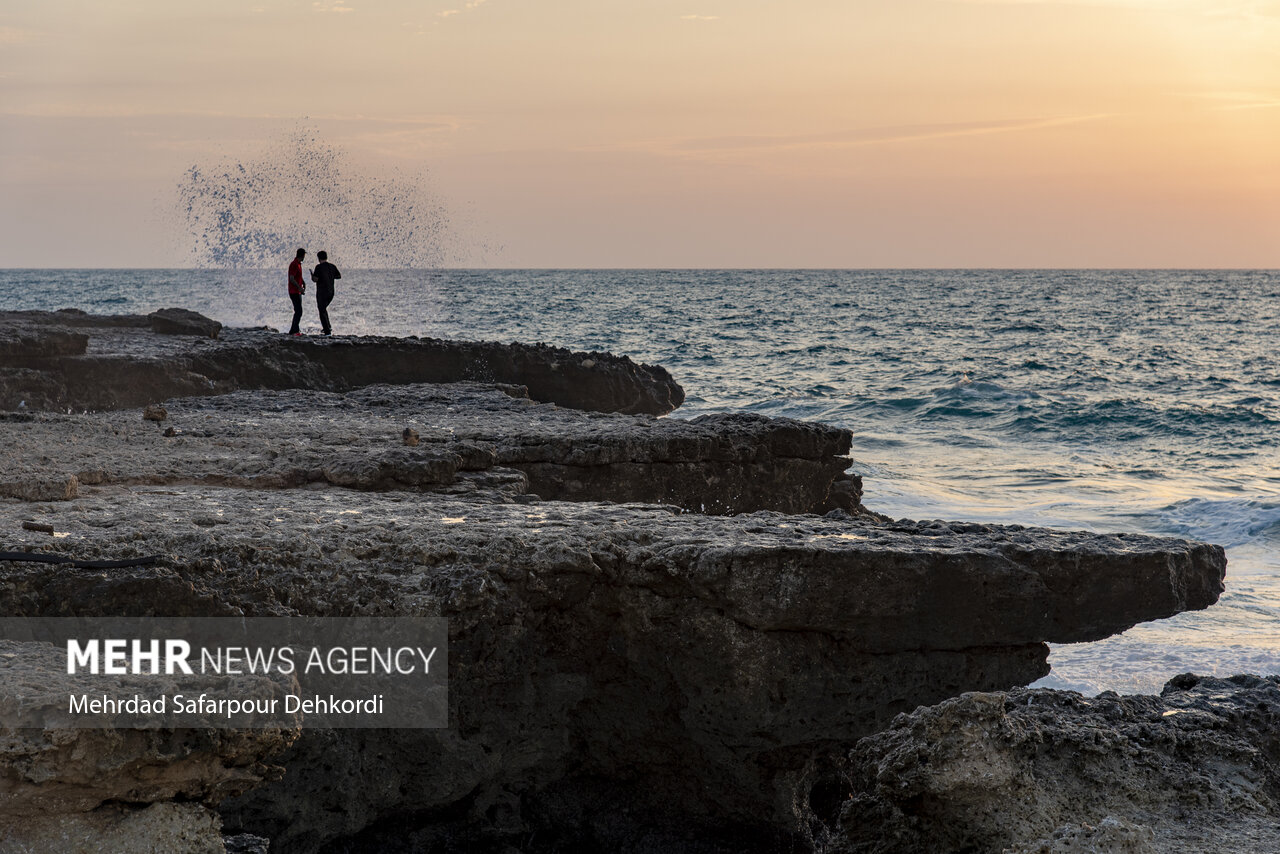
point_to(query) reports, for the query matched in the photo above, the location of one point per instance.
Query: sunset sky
(671, 133)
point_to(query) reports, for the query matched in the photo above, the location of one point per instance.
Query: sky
(669, 133)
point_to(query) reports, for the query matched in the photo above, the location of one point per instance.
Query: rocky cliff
(624, 674)
(692, 664)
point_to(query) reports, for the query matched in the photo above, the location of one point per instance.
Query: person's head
(302, 253)
(322, 255)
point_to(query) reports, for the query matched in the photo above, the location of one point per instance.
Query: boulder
(180, 321)
(1196, 769)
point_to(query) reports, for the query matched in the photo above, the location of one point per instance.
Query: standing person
(297, 288)
(323, 275)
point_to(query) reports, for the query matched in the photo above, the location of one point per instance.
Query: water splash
(304, 192)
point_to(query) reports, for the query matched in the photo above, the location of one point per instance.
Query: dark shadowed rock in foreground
(1196, 769)
(82, 791)
(617, 672)
(71, 360)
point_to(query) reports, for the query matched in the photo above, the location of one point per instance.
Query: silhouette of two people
(323, 276)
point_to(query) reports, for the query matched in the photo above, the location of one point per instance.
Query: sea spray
(246, 217)
(303, 191)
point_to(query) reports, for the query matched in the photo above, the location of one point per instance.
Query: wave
(1230, 522)
(1031, 412)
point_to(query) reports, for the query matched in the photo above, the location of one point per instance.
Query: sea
(1101, 400)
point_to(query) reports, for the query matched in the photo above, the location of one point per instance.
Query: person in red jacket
(297, 288)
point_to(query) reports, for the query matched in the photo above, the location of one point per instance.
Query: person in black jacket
(323, 275)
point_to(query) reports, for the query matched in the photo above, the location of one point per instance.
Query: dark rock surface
(714, 464)
(687, 668)
(80, 791)
(77, 319)
(22, 340)
(180, 321)
(115, 362)
(246, 843)
(1196, 769)
(41, 487)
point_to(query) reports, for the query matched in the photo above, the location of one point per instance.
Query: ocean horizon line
(994, 269)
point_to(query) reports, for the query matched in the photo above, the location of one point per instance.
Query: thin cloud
(1126, 4)
(470, 5)
(873, 136)
(337, 6)
(1255, 105)
(1238, 100)
(728, 147)
(1253, 10)
(699, 17)
(436, 123)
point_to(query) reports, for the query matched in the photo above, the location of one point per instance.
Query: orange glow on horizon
(829, 133)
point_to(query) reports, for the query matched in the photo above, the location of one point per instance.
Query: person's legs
(323, 298)
(297, 312)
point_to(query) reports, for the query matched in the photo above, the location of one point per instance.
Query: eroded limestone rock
(39, 486)
(119, 790)
(127, 362)
(1195, 770)
(156, 828)
(687, 668)
(180, 321)
(26, 340)
(714, 464)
